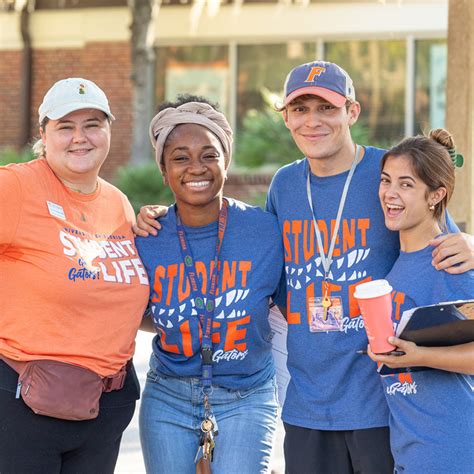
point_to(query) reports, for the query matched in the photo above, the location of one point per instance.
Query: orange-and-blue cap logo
(321, 78)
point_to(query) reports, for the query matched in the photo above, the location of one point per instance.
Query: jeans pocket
(152, 376)
(267, 387)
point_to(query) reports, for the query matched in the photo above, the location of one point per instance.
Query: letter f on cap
(315, 71)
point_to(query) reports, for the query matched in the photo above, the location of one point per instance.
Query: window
(263, 67)
(197, 70)
(430, 84)
(378, 71)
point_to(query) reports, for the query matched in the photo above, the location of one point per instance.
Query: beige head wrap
(198, 113)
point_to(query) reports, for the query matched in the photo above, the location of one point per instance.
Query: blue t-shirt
(431, 411)
(250, 261)
(332, 387)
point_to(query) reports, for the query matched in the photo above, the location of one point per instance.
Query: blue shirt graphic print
(332, 387)
(250, 265)
(431, 411)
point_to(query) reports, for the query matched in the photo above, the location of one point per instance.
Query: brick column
(460, 105)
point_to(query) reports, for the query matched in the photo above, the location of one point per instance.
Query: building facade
(236, 52)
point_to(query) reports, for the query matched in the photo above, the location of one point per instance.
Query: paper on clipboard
(432, 325)
(279, 328)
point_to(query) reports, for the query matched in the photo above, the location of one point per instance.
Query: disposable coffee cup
(375, 303)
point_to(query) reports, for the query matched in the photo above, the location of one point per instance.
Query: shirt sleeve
(461, 287)
(128, 209)
(11, 200)
(280, 294)
(270, 204)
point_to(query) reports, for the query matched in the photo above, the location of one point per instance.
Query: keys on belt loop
(207, 428)
(208, 431)
(206, 441)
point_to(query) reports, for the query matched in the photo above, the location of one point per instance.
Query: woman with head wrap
(212, 268)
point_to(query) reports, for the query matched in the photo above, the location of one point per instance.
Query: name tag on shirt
(56, 210)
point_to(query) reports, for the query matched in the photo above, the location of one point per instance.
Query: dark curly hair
(185, 99)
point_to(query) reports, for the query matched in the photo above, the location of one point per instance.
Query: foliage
(257, 199)
(266, 142)
(9, 155)
(378, 70)
(143, 185)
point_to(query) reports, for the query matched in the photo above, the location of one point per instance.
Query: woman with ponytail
(431, 425)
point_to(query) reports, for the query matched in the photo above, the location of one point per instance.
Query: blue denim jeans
(171, 414)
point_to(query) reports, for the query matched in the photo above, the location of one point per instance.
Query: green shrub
(9, 155)
(264, 140)
(257, 199)
(143, 185)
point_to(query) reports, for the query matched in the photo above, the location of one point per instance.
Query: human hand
(453, 249)
(413, 354)
(147, 222)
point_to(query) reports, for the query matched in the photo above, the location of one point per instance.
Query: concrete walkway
(130, 459)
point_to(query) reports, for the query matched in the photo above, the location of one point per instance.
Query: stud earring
(431, 207)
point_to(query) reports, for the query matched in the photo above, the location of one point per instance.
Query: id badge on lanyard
(326, 312)
(323, 316)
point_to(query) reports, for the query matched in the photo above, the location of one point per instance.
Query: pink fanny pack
(61, 390)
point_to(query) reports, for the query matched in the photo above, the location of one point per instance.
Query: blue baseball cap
(321, 78)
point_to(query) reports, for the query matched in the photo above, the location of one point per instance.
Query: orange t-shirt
(72, 286)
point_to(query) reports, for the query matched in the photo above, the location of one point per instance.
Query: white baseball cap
(71, 94)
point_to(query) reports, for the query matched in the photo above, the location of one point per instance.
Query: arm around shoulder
(147, 220)
(453, 253)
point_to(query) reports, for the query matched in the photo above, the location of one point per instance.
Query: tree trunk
(460, 106)
(25, 101)
(143, 62)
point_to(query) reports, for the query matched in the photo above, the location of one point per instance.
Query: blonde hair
(38, 147)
